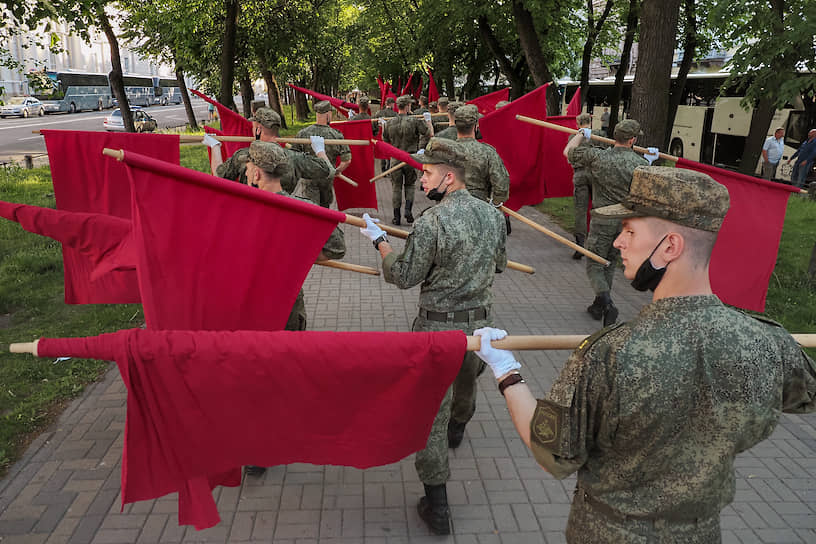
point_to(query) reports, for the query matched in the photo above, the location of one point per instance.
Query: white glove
(500, 361)
(427, 116)
(383, 121)
(652, 155)
(351, 114)
(211, 141)
(586, 132)
(420, 152)
(318, 144)
(371, 230)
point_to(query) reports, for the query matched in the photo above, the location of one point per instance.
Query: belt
(616, 515)
(462, 316)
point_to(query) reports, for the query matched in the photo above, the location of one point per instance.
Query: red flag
(574, 106)
(224, 155)
(745, 253)
(520, 146)
(407, 88)
(87, 181)
(382, 86)
(360, 170)
(558, 172)
(202, 403)
(433, 93)
(418, 89)
(487, 103)
(232, 124)
(388, 151)
(341, 105)
(218, 255)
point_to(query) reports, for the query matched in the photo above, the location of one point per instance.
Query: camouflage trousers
(403, 179)
(588, 526)
(602, 233)
(459, 402)
(297, 317)
(318, 191)
(582, 195)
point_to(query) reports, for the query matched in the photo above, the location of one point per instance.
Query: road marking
(29, 138)
(32, 125)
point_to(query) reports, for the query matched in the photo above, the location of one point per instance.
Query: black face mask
(647, 276)
(434, 193)
(258, 134)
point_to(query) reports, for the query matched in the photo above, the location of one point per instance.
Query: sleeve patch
(548, 425)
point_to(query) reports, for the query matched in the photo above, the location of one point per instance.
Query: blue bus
(71, 91)
(166, 91)
(139, 90)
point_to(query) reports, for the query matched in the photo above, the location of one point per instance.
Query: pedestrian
(605, 123)
(806, 154)
(652, 413)
(772, 153)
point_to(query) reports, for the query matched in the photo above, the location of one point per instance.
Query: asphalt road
(17, 139)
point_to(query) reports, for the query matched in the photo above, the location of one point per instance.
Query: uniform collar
(668, 305)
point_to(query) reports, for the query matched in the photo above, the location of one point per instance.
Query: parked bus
(166, 91)
(710, 126)
(139, 90)
(71, 91)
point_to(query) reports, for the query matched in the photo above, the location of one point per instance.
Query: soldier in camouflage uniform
(321, 190)
(423, 105)
(439, 122)
(582, 183)
(652, 413)
(454, 251)
(365, 111)
(266, 123)
(448, 131)
(611, 170)
(408, 134)
(266, 165)
(385, 113)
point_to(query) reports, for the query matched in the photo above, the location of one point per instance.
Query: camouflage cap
(266, 117)
(324, 106)
(685, 197)
(403, 101)
(443, 100)
(467, 114)
(627, 129)
(433, 104)
(501, 104)
(363, 101)
(453, 106)
(442, 151)
(389, 100)
(266, 155)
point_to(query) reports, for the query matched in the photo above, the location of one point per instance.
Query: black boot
(507, 224)
(408, 215)
(433, 509)
(610, 312)
(396, 219)
(596, 308)
(252, 470)
(579, 239)
(456, 432)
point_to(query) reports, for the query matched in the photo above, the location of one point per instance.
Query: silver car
(24, 106)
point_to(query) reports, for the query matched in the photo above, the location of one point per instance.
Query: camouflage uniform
(485, 175)
(386, 112)
(408, 134)
(582, 183)
(652, 413)
(317, 189)
(449, 133)
(300, 165)
(454, 251)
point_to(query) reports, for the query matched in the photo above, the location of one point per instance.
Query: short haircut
(777, 129)
(458, 172)
(583, 119)
(463, 127)
(699, 243)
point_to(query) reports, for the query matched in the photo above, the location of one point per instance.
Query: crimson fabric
(360, 170)
(745, 253)
(218, 255)
(399, 85)
(103, 240)
(87, 181)
(417, 92)
(407, 88)
(487, 103)
(381, 84)
(197, 399)
(520, 145)
(558, 172)
(574, 106)
(433, 92)
(223, 147)
(232, 124)
(389, 151)
(336, 102)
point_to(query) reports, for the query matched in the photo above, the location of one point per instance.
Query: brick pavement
(66, 487)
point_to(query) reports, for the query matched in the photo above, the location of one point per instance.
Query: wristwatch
(512, 379)
(379, 240)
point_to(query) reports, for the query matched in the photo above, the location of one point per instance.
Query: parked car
(24, 106)
(143, 122)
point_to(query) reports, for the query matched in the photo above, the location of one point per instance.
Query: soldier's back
(404, 132)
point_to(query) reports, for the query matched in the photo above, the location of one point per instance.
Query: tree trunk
(510, 70)
(632, 17)
(593, 29)
(531, 46)
(228, 54)
(760, 125)
(185, 97)
(301, 106)
(115, 76)
(679, 85)
(273, 93)
(247, 95)
(650, 90)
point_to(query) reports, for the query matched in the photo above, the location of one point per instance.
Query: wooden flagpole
(331, 263)
(196, 139)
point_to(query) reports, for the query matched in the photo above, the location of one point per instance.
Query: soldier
(266, 165)
(266, 123)
(408, 134)
(433, 107)
(382, 116)
(448, 131)
(454, 252)
(442, 103)
(365, 111)
(611, 170)
(652, 413)
(582, 190)
(423, 105)
(321, 190)
(501, 104)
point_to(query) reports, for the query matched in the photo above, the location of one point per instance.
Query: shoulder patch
(588, 341)
(547, 424)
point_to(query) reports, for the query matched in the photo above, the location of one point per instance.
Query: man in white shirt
(772, 153)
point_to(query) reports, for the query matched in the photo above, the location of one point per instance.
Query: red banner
(745, 253)
(433, 93)
(487, 103)
(360, 170)
(341, 105)
(386, 150)
(574, 106)
(232, 124)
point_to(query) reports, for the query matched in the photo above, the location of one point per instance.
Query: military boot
(456, 432)
(433, 509)
(409, 204)
(253, 470)
(579, 239)
(396, 219)
(596, 308)
(610, 311)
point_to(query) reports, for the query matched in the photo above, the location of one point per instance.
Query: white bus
(166, 91)
(71, 91)
(139, 90)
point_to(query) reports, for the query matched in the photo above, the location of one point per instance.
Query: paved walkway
(66, 488)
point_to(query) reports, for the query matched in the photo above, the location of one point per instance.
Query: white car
(143, 122)
(24, 106)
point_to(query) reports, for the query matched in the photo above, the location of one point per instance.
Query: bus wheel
(676, 148)
(72, 108)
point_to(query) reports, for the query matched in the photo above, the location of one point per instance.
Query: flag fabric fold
(574, 106)
(232, 124)
(360, 170)
(407, 88)
(745, 253)
(433, 92)
(487, 103)
(387, 151)
(342, 105)
(87, 181)
(196, 400)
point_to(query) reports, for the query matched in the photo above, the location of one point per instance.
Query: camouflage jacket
(449, 133)
(332, 151)
(485, 174)
(611, 170)
(300, 165)
(454, 251)
(651, 413)
(581, 175)
(407, 133)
